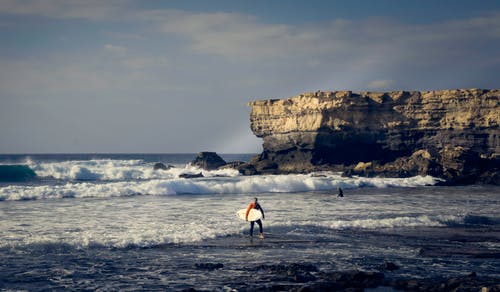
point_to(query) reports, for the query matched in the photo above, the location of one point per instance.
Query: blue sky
(175, 76)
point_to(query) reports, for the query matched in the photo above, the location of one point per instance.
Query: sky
(175, 76)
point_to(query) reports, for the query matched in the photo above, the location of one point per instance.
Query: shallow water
(154, 242)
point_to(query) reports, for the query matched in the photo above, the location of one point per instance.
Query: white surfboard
(253, 215)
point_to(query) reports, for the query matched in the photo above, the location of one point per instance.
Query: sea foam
(209, 185)
(115, 170)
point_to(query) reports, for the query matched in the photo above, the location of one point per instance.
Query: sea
(112, 222)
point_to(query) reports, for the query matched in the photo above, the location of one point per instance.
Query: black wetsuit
(258, 207)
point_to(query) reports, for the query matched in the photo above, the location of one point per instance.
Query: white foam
(115, 170)
(404, 221)
(154, 220)
(211, 185)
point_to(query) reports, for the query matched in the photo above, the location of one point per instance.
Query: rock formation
(208, 161)
(453, 134)
(162, 166)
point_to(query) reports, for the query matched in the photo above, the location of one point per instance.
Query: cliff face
(454, 134)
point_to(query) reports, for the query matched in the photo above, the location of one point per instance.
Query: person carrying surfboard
(255, 205)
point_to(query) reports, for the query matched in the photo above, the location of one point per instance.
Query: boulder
(208, 161)
(191, 175)
(243, 167)
(162, 166)
(388, 266)
(247, 169)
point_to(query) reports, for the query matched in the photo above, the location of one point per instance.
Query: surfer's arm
(262, 211)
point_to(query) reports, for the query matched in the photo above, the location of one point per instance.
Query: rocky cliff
(453, 134)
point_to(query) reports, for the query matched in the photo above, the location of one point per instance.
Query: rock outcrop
(453, 134)
(208, 161)
(162, 166)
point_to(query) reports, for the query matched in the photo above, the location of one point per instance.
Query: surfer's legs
(260, 225)
(261, 234)
(251, 228)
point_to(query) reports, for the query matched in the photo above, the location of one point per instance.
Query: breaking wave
(16, 173)
(213, 184)
(106, 170)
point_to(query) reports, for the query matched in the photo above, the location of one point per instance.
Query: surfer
(341, 193)
(255, 205)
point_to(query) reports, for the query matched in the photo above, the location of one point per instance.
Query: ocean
(112, 222)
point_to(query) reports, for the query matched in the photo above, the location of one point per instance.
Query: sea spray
(210, 185)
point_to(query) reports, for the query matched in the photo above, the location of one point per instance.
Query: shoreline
(314, 276)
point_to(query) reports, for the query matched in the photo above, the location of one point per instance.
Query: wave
(471, 220)
(16, 173)
(132, 238)
(209, 185)
(414, 221)
(403, 221)
(146, 235)
(114, 170)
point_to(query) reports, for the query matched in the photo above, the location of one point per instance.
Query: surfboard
(253, 215)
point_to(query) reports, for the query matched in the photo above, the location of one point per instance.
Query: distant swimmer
(341, 193)
(255, 205)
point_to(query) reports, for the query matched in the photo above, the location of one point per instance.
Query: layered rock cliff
(454, 134)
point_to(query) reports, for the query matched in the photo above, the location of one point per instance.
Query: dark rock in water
(265, 164)
(190, 175)
(298, 273)
(243, 167)
(16, 173)
(162, 166)
(232, 164)
(492, 176)
(469, 282)
(247, 169)
(354, 279)
(289, 270)
(451, 134)
(208, 161)
(304, 280)
(278, 287)
(345, 281)
(209, 266)
(388, 266)
(489, 255)
(303, 277)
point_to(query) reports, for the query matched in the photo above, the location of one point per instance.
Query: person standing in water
(341, 193)
(255, 205)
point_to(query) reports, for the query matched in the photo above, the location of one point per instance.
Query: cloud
(359, 43)
(117, 50)
(145, 62)
(67, 9)
(236, 35)
(132, 60)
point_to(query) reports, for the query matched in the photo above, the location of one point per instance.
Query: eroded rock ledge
(452, 134)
